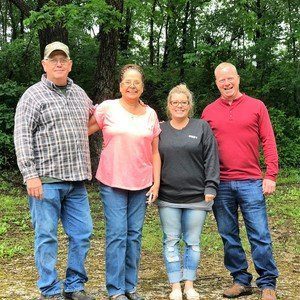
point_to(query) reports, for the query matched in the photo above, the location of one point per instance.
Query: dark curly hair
(131, 67)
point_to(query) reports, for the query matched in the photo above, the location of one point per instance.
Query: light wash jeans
(248, 196)
(188, 223)
(124, 215)
(67, 201)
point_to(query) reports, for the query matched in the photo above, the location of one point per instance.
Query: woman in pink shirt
(129, 169)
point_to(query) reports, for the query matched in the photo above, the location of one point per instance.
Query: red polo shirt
(240, 129)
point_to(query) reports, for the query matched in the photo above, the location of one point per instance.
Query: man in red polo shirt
(241, 125)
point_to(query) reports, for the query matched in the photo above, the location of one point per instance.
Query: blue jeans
(188, 223)
(124, 215)
(69, 202)
(248, 196)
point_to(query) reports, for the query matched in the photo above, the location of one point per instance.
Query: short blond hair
(181, 89)
(224, 65)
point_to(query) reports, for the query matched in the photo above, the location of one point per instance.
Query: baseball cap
(56, 46)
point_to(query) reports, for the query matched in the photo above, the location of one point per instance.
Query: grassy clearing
(283, 208)
(16, 246)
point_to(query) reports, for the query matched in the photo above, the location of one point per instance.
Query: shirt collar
(234, 102)
(52, 86)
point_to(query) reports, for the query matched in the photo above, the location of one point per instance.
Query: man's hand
(269, 186)
(35, 188)
(209, 197)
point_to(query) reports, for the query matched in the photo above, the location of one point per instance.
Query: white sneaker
(191, 294)
(176, 295)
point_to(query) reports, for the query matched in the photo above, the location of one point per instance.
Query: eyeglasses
(229, 79)
(55, 62)
(128, 83)
(183, 103)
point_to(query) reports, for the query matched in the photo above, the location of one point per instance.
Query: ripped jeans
(188, 224)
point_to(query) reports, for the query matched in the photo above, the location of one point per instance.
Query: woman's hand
(152, 194)
(93, 125)
(209, 197)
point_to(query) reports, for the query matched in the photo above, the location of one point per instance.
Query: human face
(179, 106)
(228, 82)
(57, 67)
(131, 86)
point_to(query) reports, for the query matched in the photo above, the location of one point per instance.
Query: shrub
(287, 132)
(10, 92)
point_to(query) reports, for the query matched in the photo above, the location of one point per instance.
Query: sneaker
(53, 297)
(175, 295)
(191, 294)
(133, 296)
(78, 295)
(268, 294)
(237, 290)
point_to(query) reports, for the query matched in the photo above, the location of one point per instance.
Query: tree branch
(22, 6)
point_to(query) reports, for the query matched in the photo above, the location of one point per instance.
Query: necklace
(134, 109)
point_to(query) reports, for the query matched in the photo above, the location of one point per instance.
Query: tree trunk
(151, 37)
(171, 53)
(47, 35)
(125, 33)
(105, 75)
(22, 6)
(14, 25)
(52, 34)
(184, 41)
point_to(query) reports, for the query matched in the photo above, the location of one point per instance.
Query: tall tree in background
(56, 32)
(105, 79)
(50, 33)
(107, 57)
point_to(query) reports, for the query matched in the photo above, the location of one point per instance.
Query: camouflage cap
(56, 46)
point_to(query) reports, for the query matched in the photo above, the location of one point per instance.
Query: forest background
(174, 41)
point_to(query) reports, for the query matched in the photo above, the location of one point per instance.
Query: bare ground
(18, 275)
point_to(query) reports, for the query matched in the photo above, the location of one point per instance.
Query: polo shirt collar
(234, 102)
(52, 86)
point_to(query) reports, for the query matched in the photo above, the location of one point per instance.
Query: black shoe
(133, 296)
(78, 295)
(53, 297)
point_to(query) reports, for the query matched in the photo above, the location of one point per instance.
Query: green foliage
(75, 15)
(287, 131)
(84, 51)
(14, 221)
(20, 62)
(259, 37)
(9, 95)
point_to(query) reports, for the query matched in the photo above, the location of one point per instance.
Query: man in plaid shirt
(52, 149)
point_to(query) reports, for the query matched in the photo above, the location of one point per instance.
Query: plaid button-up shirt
(50, 135)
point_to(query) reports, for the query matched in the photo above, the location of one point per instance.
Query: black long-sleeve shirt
(190, 162)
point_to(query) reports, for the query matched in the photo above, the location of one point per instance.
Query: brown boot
(268, 294)
(237, 290)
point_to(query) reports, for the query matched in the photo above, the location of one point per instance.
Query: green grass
(15, 226)
(16, 233)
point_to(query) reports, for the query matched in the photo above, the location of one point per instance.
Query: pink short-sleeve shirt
(126, 157)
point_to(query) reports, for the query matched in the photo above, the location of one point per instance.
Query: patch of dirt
(18, 276)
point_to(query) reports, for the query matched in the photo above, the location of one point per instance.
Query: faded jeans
(67, 201)
(188, 224)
